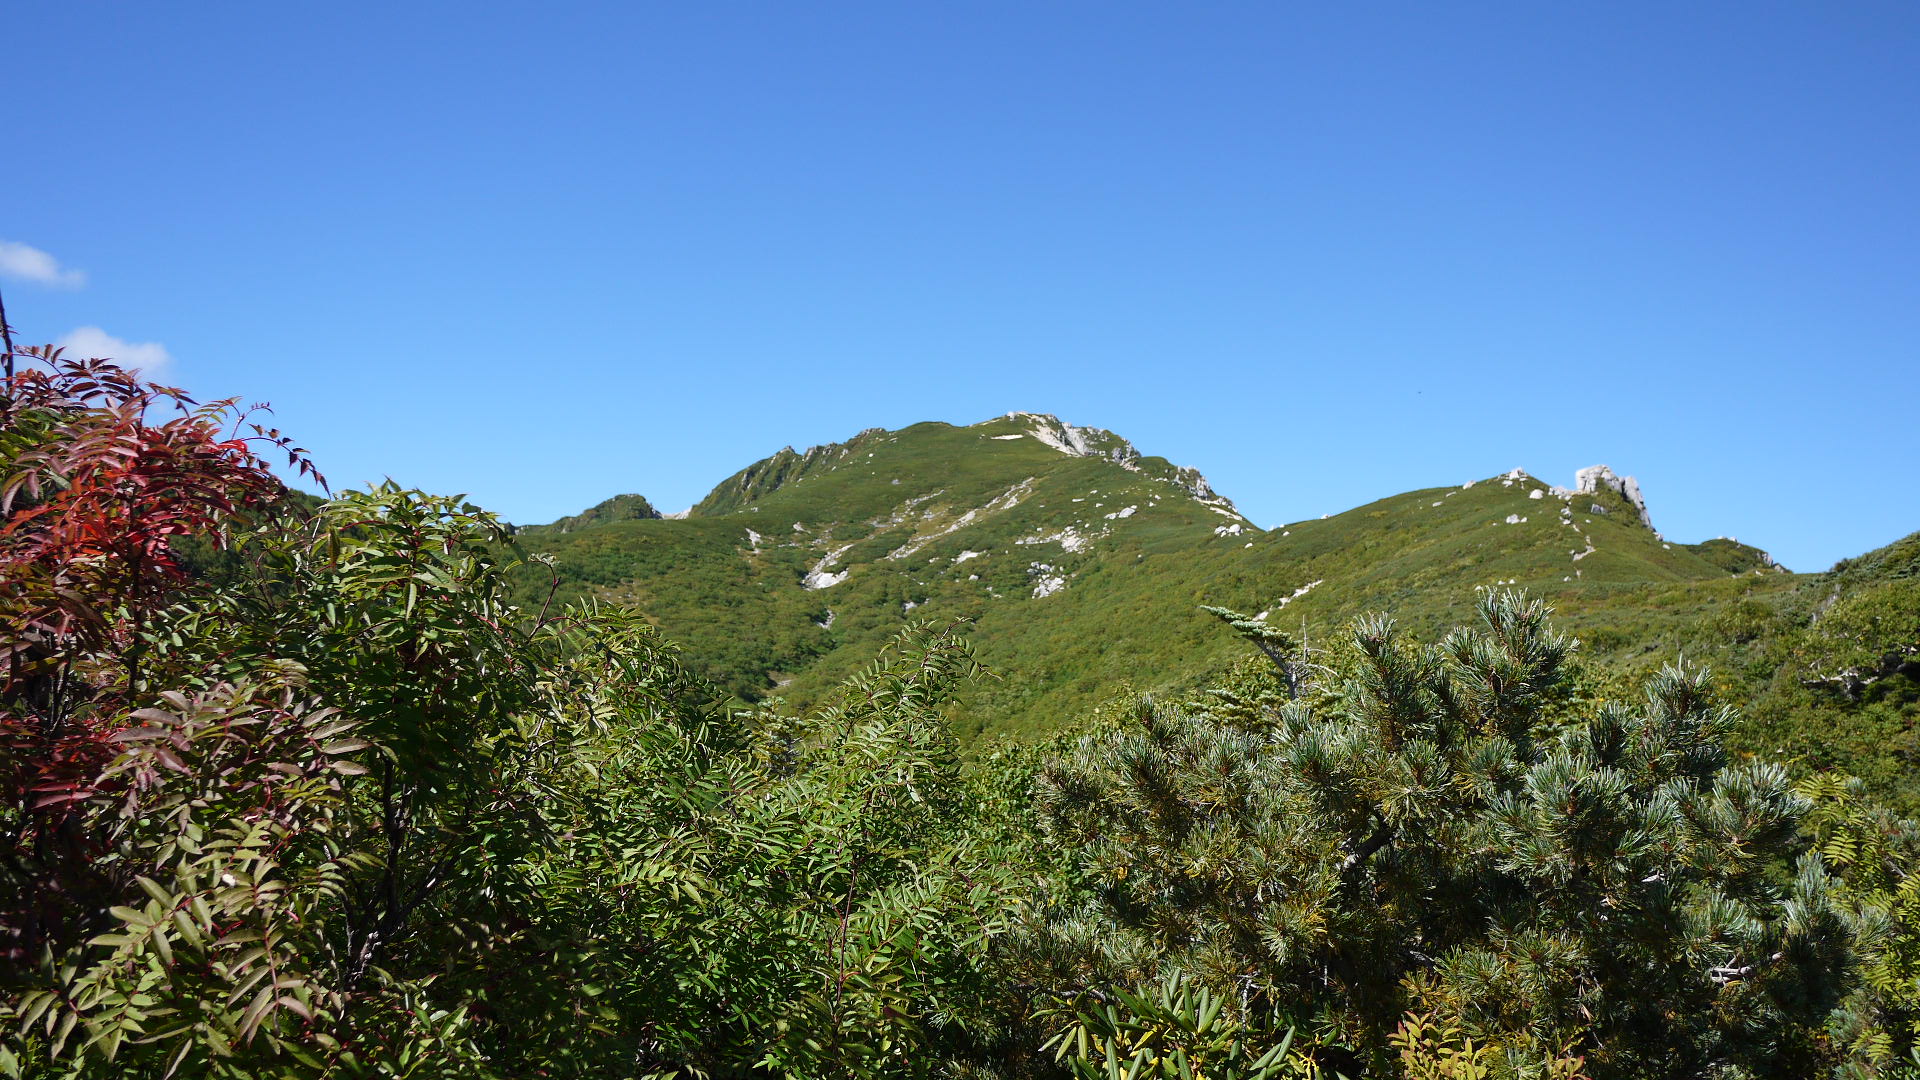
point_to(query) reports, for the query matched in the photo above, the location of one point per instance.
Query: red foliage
(100, 473)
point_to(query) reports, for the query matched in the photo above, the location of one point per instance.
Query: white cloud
(91, 342)
(29, 263)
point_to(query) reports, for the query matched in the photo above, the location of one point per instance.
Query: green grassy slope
(1829, 672)
(933, 521)
(1082, 564)
(1418, 556)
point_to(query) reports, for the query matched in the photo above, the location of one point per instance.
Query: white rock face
(819, 577)
(1296, 594)
(1006, 500)
(1228, 530)
(1537, 493)
(1069, 539)
(1064, 437)
(1590, 480)
(965, 555)
(1047, 579)
(1092, 442)
(1006, 437)
(1126, 513)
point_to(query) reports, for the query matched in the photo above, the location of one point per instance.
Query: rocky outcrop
(764, 477)
(1594, 478)
(1093, 442)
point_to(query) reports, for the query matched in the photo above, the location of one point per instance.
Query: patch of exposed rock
(1590, 480)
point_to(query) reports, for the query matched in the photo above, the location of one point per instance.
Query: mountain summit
(788, 466)
(1081, 561)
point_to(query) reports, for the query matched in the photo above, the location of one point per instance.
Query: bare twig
(6, 339)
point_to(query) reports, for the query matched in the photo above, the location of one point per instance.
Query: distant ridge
(619, 508)
(1082, 562)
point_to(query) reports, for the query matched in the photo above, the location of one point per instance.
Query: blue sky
(1325, 253)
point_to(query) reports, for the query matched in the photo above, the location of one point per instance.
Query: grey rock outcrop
(1590, 480)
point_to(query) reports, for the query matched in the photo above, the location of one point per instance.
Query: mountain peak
(1048, 534)
(1595, 480)
(619, 508)
(1075, 441)
(1093, 442)
(785, 466)
(930, 440)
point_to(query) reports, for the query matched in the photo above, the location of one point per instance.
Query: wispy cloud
(28, 263)
(91, 342)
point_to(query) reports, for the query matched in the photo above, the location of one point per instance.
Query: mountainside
(619, 508)
(1083, 563)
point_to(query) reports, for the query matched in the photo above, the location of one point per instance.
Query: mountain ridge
(788, 465)
(1083, 563)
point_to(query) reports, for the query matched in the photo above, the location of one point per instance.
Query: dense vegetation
(968, 523)
(359, 787)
